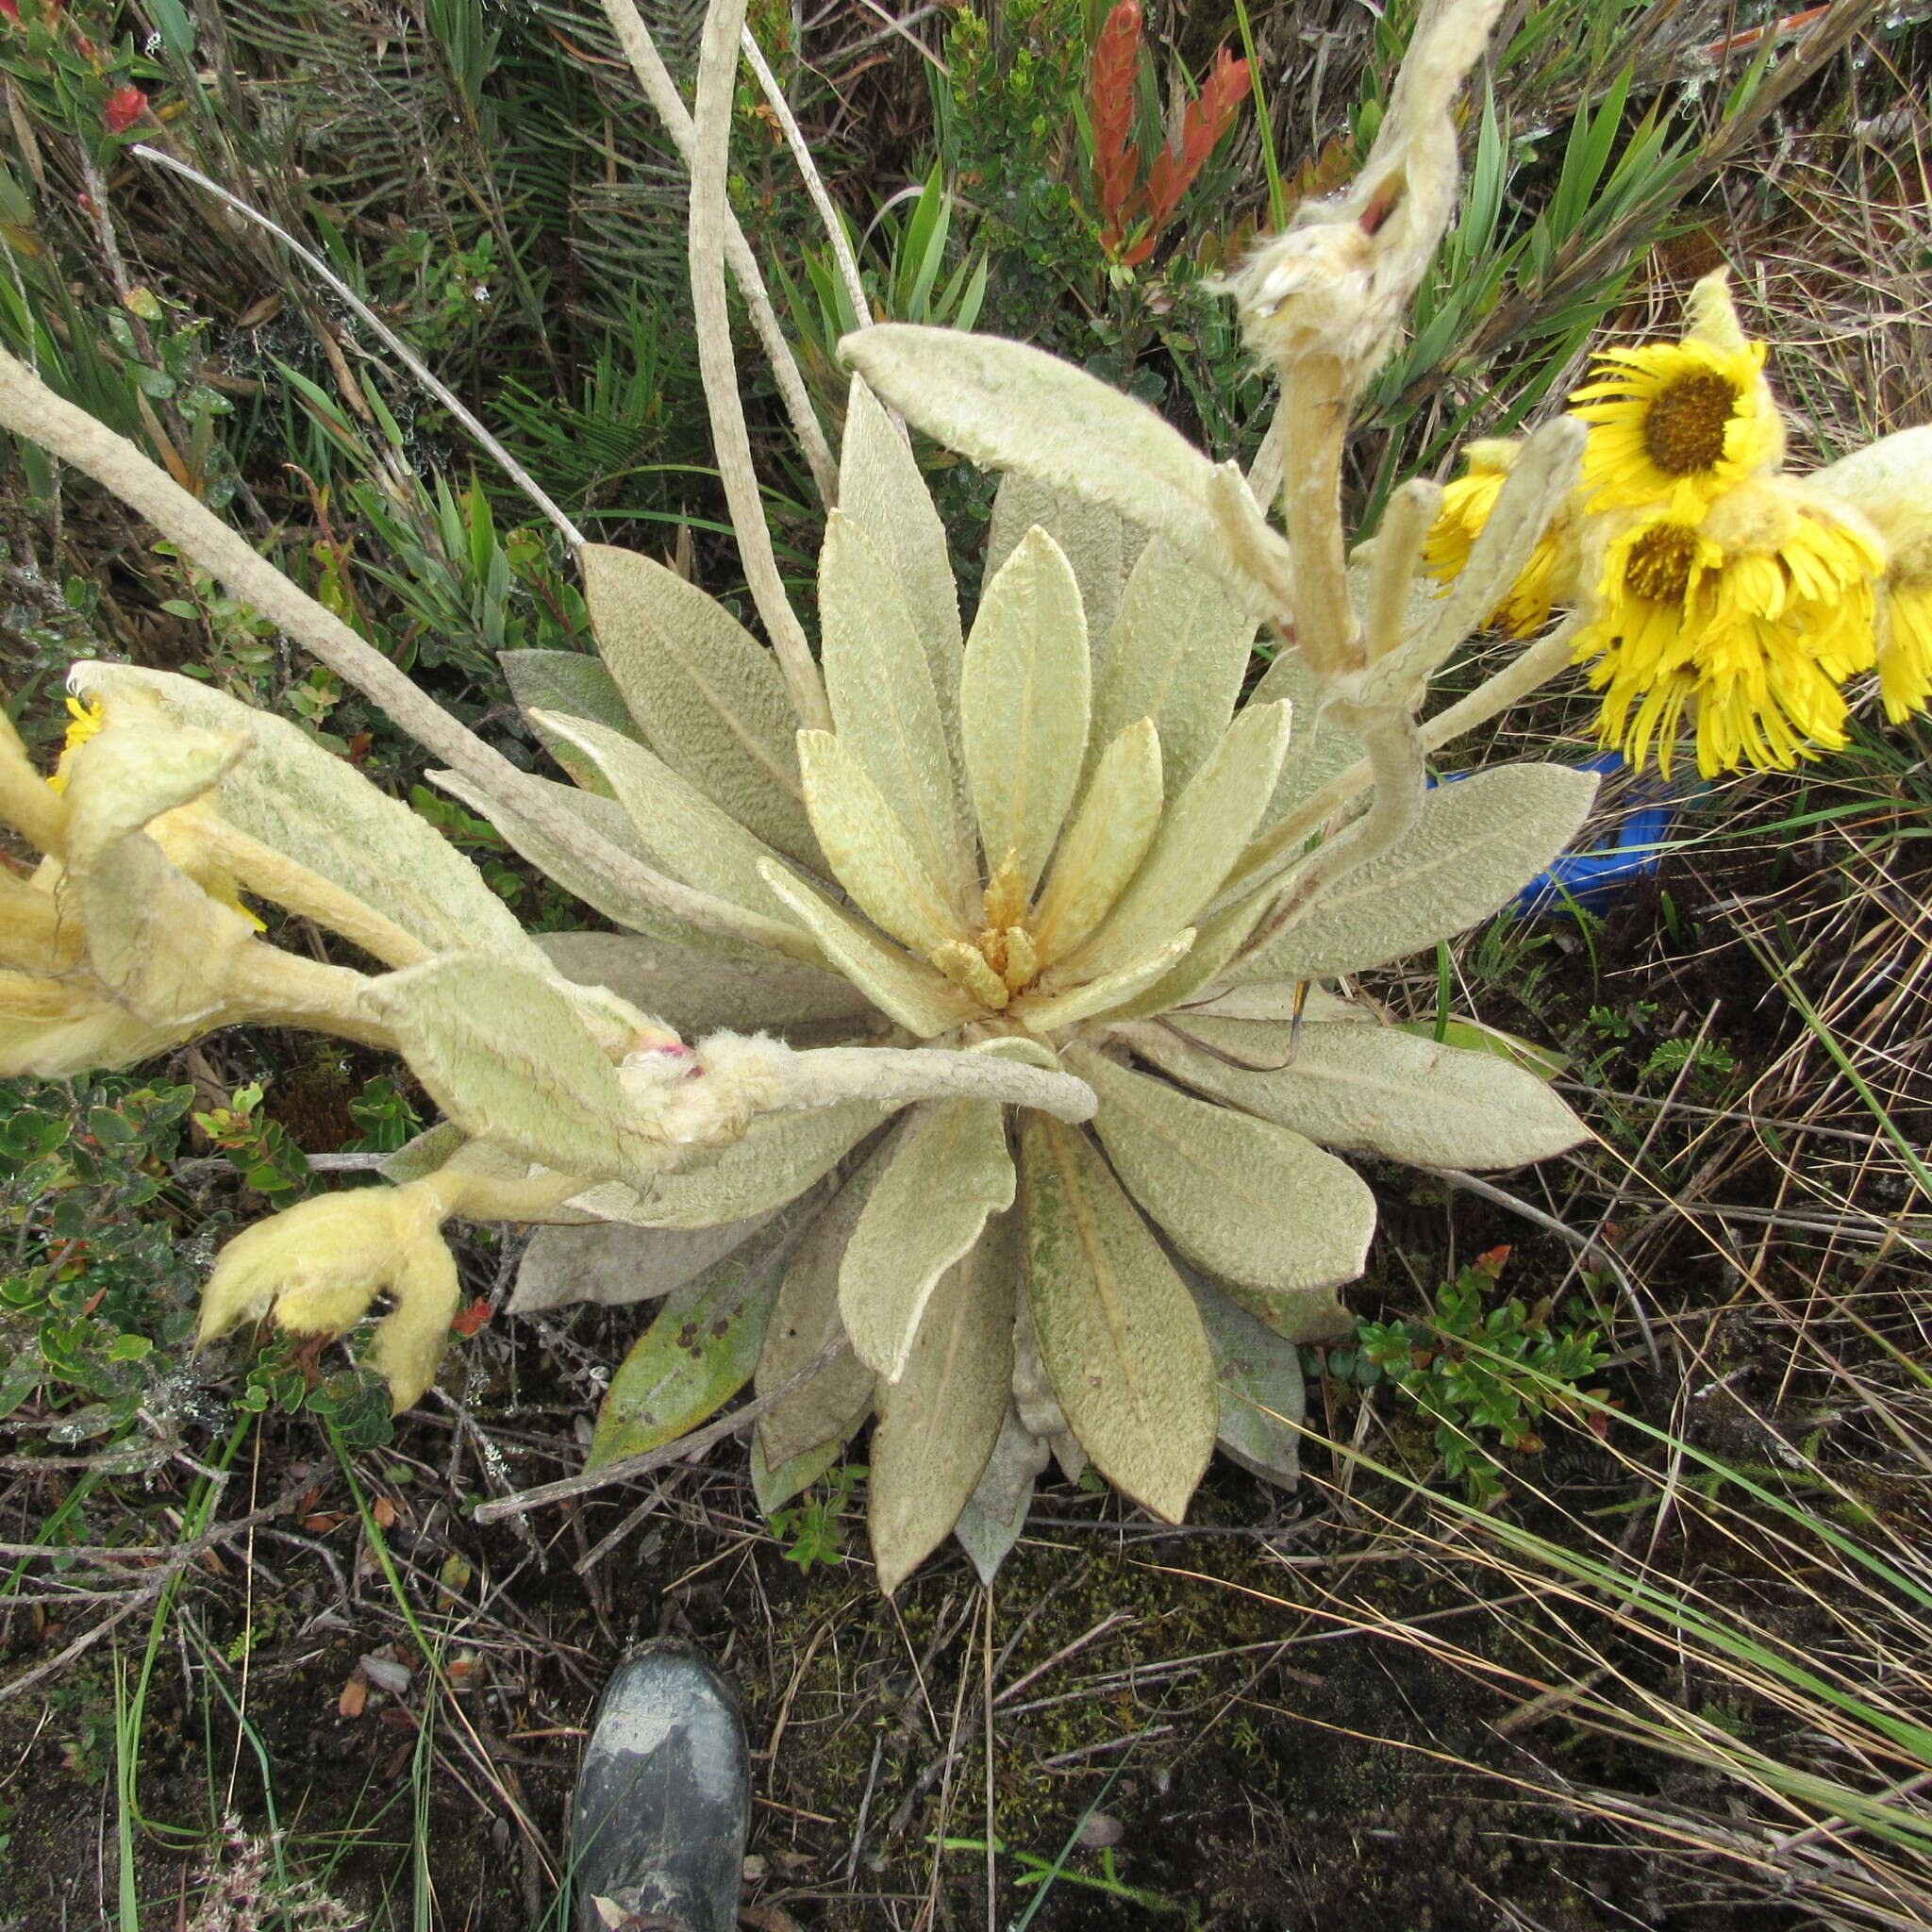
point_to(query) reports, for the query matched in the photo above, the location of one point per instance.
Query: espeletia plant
(962, 1048)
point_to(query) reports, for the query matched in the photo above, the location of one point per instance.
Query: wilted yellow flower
(1758, 611)
(320, 1265)
(1466, 505)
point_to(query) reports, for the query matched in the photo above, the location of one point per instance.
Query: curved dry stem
(1395, 763)
(808, 169)
(653, 77)
(30, 408)
(1314, 409)
(730, 441)
(394, 343)
(1280, 846)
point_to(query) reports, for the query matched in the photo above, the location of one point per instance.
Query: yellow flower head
(1674, 425)
(1890, 484)
(1466, 505)
(85, 719)
(1751, 616)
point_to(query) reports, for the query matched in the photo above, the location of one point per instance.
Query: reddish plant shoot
(1133, 213)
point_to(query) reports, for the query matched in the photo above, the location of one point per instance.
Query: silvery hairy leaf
(695, 993)
(804, 1322)
(613, 1264)
(885, 705)
(700, 1350)
(291, 795)
(1009, 406)
(1177, 653)
(938, 1421)
(1478, 843)
(709, 697)
(509, 1058)
(609, 821)
(1374, 1088)
(905, 989)
(780, 1156)
(949, 1171)
(153, 936)
(681, 830)
(1258, 1376)
(1118, 1330)
(577, 684)
(1246, 1200)
(1200, 836)
(773, 1484)
(1216, 943)
(1103, 846)
(1041, 1015)
(1023, 705)
(1091, 538)
(881, 490)
(1320, 749)
(995, 1513)
(865, 841)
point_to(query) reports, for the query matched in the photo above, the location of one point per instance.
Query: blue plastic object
(1592, 879)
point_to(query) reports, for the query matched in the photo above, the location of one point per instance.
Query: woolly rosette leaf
(1018, 852)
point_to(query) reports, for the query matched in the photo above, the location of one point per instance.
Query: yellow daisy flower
(1750, 616)
(1675, 423)
(1466, 505)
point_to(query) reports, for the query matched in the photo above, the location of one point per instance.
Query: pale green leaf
(866, 846)
(614, 1264)
(679, 827)
(1478, 843)
(1259, 1374)
(1378, 1090)
(1090, 537)
(938, 1421)
(1177, 655)
(609, 821)
(1011, 407)
(509, 1058)
(1117, 1326)
(881, 490)
(577, 684)
(1201, 836)
(1319, 749)
(153, 936)
(807, 1321)
(1543, 1061)
(995, 1513)
(1023, 706)
(709, 697)
(780, 1156)
(773, 1486)
(885, 706)
(1251, 1201)
(699, 1352)
(922, 1001)
(290, 793)
(1042, 1014)
(1105, 845)
(1205, 962)
(695, 993)
(1283, 1000)
(949, 1171)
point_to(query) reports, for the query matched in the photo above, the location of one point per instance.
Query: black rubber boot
(663, 1799)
